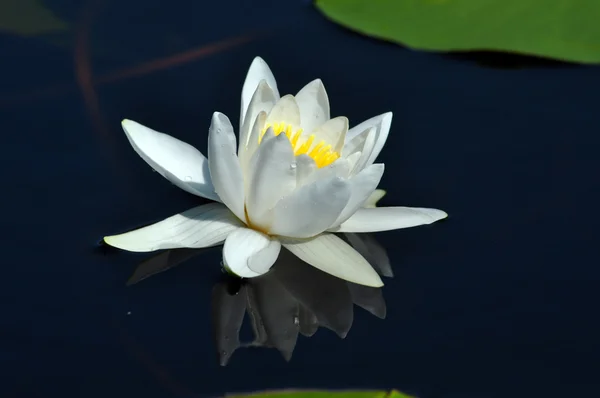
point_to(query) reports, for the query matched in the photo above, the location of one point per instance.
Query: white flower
(294, 179)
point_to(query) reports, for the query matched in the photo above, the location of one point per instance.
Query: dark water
(498, 300)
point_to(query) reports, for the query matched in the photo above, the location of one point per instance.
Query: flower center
(320, 152)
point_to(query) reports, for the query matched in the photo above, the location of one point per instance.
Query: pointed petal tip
(219, 117)
(114, 241)
(437, 215)
(108, 239)
(317, 82)
(128, 125)
(377, 284)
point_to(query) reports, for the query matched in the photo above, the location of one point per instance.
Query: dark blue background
(499, 300)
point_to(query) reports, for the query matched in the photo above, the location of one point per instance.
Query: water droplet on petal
(293, 166)
(187, 178)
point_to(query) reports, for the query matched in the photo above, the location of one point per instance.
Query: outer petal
(314, 105)
(374, 198)
(305, 167)
(356, 143)
(224, 164)
(382, 124)
(202, 226)
(339, 168)
(178, 162)
(331, 254)
(248, 253)
(245, 154)
(311, 209)
(259, 70)
(389, 218)
(366, 151)
(362, 186)
(352, 162)
(272, 177)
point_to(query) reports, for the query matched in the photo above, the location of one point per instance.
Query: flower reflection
(293, 298)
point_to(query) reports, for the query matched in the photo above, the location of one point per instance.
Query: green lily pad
(322, 394)
(567, 30)
(28, 18)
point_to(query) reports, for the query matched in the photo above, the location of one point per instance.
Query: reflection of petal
(324, 295)
(278, 311)
(227, 317)
(161, 262)
(308, 322)
(372, 251)
(258, 325)
(368, 298)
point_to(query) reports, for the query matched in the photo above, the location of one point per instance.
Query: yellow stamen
(315, 151)
(321, 153)
(306, 146)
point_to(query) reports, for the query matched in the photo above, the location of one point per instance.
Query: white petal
(224, 164)
(339, 168)
(259, 70)
(352, 162)
(248, 253)
(310, 209)
(389, 218)
(366, 152)
(245, 154)
(202, 226)
(178, 162)
(285, 111)
(357, 142)
(374, 198)
(272, 177)
(333, 132)
(382, 123)
(362, 186)
(263, 100)
(305, 167)
(314, 105)
(331, 254)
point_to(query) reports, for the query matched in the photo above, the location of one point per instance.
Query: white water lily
(295, 177)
